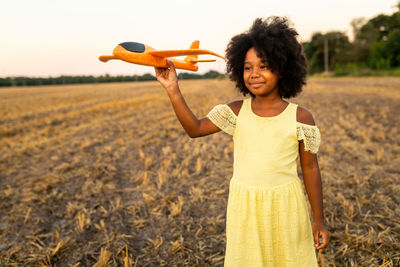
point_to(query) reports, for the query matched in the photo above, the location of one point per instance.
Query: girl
(267, 221)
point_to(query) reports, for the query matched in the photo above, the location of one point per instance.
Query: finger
(157, 71)
(325, 240)
(316, 239)
(170, 64)
(160, 72)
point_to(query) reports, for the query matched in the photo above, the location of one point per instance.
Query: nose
(254, 73)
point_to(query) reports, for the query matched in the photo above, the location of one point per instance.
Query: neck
(268, 100)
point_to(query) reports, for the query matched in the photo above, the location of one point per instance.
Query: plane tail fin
(193, 58)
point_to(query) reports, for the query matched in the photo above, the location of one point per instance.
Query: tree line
(375, 46)
(33, 81)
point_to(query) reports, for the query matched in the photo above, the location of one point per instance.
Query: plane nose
(133, 47)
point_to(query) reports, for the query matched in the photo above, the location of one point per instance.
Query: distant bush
(354, 69)
(212, 74)
(5, 82)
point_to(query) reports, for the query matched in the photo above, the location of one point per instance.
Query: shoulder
(303, 115)
(235, 106)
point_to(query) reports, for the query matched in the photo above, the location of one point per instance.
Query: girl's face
(258, 78)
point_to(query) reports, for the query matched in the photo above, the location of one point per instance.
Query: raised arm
(193, 127)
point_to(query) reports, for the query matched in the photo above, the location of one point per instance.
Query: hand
(167, 76)
(319, 229)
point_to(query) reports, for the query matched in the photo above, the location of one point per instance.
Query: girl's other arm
(193, 127)
(313, 184)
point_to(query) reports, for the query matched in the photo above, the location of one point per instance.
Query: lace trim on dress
(310, 135)
(224, 118)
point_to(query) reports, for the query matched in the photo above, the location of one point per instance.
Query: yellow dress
(267, 221)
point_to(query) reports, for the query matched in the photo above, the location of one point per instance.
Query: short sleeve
(224, 118)
(310, 135)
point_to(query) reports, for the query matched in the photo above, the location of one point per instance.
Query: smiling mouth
(258, 83)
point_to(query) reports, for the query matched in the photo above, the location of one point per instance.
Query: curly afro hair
(275, 42)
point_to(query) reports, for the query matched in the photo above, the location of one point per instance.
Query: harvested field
(104, 175)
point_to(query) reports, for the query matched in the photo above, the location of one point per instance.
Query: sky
(44, 38)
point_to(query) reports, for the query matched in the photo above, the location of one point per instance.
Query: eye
(263, 67)
(247, 68)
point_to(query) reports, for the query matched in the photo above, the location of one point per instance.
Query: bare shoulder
(304, 116)
(235, 106)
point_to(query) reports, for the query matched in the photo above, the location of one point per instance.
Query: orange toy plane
(141, 54)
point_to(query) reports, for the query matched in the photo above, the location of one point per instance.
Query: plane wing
(183, 52)
(200, 60)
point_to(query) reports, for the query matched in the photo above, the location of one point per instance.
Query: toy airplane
(141, 54)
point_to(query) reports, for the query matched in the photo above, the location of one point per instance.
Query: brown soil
(105, 175)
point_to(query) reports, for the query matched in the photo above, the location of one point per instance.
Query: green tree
(391, 48)
(369, 43)
(385, 54)
(338, 48)
(314, 53)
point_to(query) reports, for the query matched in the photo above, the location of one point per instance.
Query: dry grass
(104, 175)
